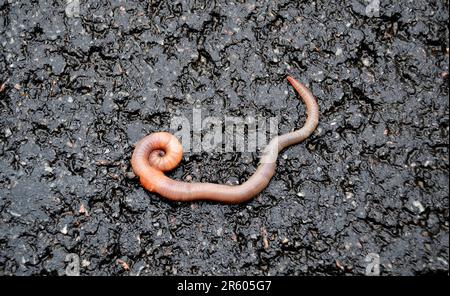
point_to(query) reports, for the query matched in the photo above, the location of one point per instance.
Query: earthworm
(161, 152)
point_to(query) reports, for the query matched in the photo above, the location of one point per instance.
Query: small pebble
(419, 206)
(366, 62)
(85, 263)
(130, 175)
(83, 210)
(64, 230)
(8, 132)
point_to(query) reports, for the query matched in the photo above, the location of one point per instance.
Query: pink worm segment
(160, 152)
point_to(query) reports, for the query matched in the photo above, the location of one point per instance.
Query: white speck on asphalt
(418, 205)
(301, 194)
(64, 229)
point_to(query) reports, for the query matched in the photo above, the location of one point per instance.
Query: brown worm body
(161, 152)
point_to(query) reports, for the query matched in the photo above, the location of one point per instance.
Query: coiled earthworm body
(160, 152)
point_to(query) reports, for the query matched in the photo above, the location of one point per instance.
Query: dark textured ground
(78, 92)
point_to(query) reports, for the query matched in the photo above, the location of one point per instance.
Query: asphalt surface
(367, 193)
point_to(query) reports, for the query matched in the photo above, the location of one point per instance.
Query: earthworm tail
(160, 152)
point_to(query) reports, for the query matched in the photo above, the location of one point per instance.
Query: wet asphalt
(82, 82)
